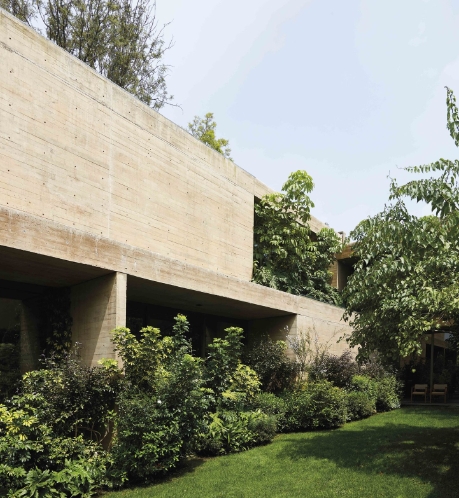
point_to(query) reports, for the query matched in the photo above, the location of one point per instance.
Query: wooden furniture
(439, 390)
(419, 390)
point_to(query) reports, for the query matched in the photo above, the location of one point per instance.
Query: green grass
(412, 452)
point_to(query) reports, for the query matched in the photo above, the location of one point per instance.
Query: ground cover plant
(410, 452)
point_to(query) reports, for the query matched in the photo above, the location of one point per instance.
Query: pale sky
(347, 90)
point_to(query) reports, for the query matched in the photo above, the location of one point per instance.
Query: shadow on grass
(185, 467)
(408, 450)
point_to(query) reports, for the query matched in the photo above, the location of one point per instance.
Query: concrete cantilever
(102, 194)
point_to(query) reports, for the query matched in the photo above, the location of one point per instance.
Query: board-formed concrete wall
(321, 323)
(78, 150)
(93, 179)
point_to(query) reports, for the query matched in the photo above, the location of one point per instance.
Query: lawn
(412, 452)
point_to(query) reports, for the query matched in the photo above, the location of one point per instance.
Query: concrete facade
(102, 194)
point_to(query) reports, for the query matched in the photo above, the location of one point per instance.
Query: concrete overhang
(65, 257)
(147, 291)
(43, 252)
(24, 274)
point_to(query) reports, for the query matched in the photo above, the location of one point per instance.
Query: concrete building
(101, 194)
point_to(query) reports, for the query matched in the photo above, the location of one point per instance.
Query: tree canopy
(119, 38)
(287, 256)
(406, 279)
(204, 129)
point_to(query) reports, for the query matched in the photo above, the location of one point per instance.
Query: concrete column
(98, 306)
(29, 340)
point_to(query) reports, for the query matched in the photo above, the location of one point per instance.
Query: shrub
(36, 462)
(319, 405)
(50, 433)
(71, 398)
(268, 403)
(375, 368)
(336, 369)
(222, 360)
(382, 394)
(366, 385)
(262, 426)
(231, 431)
(162, 404)
(269, 360)
(243, 388)
(148, 438)
(230, 383)
(388, 393)
(359, 405)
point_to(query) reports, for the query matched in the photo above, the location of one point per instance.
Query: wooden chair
(439, 390)
(419, 390)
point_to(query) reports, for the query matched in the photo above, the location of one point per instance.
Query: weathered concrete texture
(92, 178)
(29, 340)
(22, 232)
(324, 329)
(98, 306)
(78, 150)
(327, 331)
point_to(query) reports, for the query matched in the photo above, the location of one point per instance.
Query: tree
(118, 38)
(22, 9)
(286, 255)
(204, 129)
(406, 280)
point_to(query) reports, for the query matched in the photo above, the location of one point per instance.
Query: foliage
(359, 405)
(406, 279)
(37, 462)
(318, 405)
(388, 393)
(244, 386)
(268, 403)
(310, 353)
(149, 438)
(285, 255)
(336, 369)
(384, 392)
(269, 360)
(230, 382)
(70, 398)
(118, 38)
(204, 130)
(9, 369)
(162, 405)
(233, 431)
(22, 9)
(375, 367)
